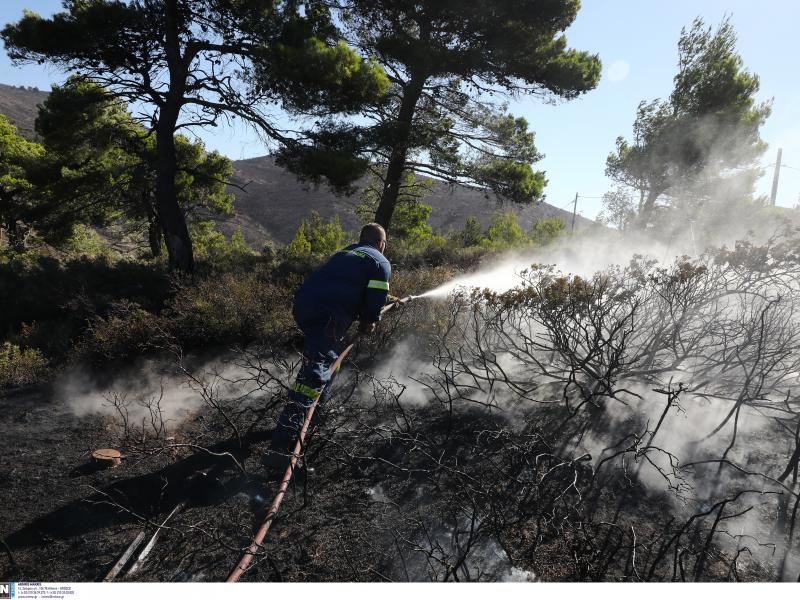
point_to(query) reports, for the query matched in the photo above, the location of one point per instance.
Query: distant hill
(273, 202)
(20, 105)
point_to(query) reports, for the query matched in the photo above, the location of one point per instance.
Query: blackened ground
(62, 519)
(377, 506)
(48, 532)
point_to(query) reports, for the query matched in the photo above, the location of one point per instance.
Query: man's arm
(376, 293)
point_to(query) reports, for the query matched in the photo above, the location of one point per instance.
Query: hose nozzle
(399, 302)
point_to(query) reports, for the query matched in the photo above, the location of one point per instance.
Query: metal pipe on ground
(258, 540)
(134, 545)
(126, 556)
(144, 553)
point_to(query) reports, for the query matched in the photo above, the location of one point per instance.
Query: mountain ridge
(272, 195)
(271, 202)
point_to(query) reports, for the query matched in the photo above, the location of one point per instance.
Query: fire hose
(258, 540)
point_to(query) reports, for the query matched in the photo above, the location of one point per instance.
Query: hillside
(20, 104)
(272, 202)
(275, 201)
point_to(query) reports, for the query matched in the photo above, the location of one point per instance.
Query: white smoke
(404, 371)
(176, 390)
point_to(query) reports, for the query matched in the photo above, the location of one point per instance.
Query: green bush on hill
(316, 238)
(504, 231)
(214, 249)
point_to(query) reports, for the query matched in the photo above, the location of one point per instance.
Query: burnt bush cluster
(639, 424)
(636, 425)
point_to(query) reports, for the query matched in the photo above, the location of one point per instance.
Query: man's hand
(366, 328)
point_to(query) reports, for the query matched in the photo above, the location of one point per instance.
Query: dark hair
(372, 234)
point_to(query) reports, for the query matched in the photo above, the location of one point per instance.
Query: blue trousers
(322, 343)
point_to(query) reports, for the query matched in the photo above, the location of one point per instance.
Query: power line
(783, 166)
(565, 206)
(575, 208)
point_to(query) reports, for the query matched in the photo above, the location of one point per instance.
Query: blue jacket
(353, 284)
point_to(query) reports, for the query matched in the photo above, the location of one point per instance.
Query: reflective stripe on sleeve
(377, 284)
(306, 391)
(356, 253)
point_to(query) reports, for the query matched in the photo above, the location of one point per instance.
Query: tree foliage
(546, 231)
(192, 62)
(103, 166)
(505, 232)
(19, 160)
(411, 216)
(446, 61)
(472, 233)
(704, 136)
(504, 229)
(619, 209)
(315, 237)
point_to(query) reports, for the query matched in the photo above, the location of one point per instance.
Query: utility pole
(775, 178)
(574, 210)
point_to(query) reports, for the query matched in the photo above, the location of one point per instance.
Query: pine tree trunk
(153, 226)
(154, 236)
(397, 159)
(170, 215)
(646, 211)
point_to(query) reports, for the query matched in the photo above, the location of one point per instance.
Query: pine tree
(193, 62)
(689, 145)
(447, 62)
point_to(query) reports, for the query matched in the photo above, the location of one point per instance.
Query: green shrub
(420, 280)
(85, 242)
(504, 231)
(127, 330)
(211, 246)
(315, 237)
(54, 298)
(223, 308)
(20, 366)
(300, 244)
(471, 235)
(546, 231)
(410, 223)
(228, 308)
(440, 252)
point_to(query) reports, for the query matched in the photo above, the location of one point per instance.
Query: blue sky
(637, 41)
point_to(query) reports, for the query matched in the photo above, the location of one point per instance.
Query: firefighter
(352, 285)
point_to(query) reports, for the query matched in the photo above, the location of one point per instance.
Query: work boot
(302, 471)
(275, 462)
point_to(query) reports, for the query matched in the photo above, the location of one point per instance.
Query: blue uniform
(353, 284)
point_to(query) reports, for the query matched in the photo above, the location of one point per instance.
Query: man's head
(374, 235)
